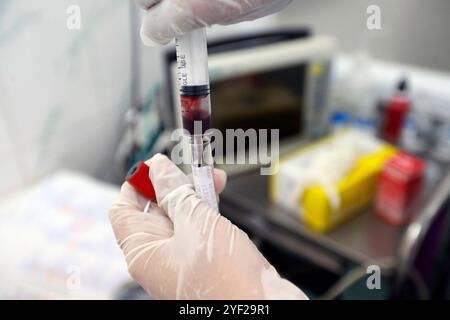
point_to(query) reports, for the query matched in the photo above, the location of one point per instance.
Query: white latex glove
(165, 19)
(183, 249)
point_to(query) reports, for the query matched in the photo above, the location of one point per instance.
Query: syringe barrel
(192, 59)
(192, 62)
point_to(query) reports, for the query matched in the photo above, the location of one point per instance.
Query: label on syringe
(181, 66)
(204, 185)
(192, 58)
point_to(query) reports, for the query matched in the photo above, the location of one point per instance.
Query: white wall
(62, 92)
(413, 32)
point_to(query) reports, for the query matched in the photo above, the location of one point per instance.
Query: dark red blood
(396, 112)
(194, 109)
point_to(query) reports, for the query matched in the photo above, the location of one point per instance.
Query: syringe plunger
(192, 58)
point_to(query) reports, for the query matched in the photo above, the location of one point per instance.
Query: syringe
(193, 79)
(192, 60)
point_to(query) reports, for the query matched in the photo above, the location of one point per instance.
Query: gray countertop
(363, 239)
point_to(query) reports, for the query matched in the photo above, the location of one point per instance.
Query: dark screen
(266, 100)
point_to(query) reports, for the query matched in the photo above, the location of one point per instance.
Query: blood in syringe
(195, 112)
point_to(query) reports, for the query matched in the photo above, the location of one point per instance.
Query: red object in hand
(139, 177)
(400, 182)
(396, 111)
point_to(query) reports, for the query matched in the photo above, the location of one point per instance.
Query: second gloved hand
(183, 249)
(165, 19)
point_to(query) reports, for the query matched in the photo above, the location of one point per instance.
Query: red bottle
(396, 111)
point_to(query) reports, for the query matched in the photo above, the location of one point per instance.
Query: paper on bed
(56, 241)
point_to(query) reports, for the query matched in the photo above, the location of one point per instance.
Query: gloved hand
(165, 19)
(183, 249)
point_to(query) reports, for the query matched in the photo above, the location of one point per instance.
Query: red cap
(139, 177)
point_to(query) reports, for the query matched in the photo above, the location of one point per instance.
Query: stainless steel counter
(363, 240)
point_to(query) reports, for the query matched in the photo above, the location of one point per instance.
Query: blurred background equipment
(328, 182)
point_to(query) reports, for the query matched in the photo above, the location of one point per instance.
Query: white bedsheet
(56, 241)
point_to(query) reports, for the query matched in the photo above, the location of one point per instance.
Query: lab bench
(359, 242)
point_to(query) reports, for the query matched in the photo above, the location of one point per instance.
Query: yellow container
(356, 192)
